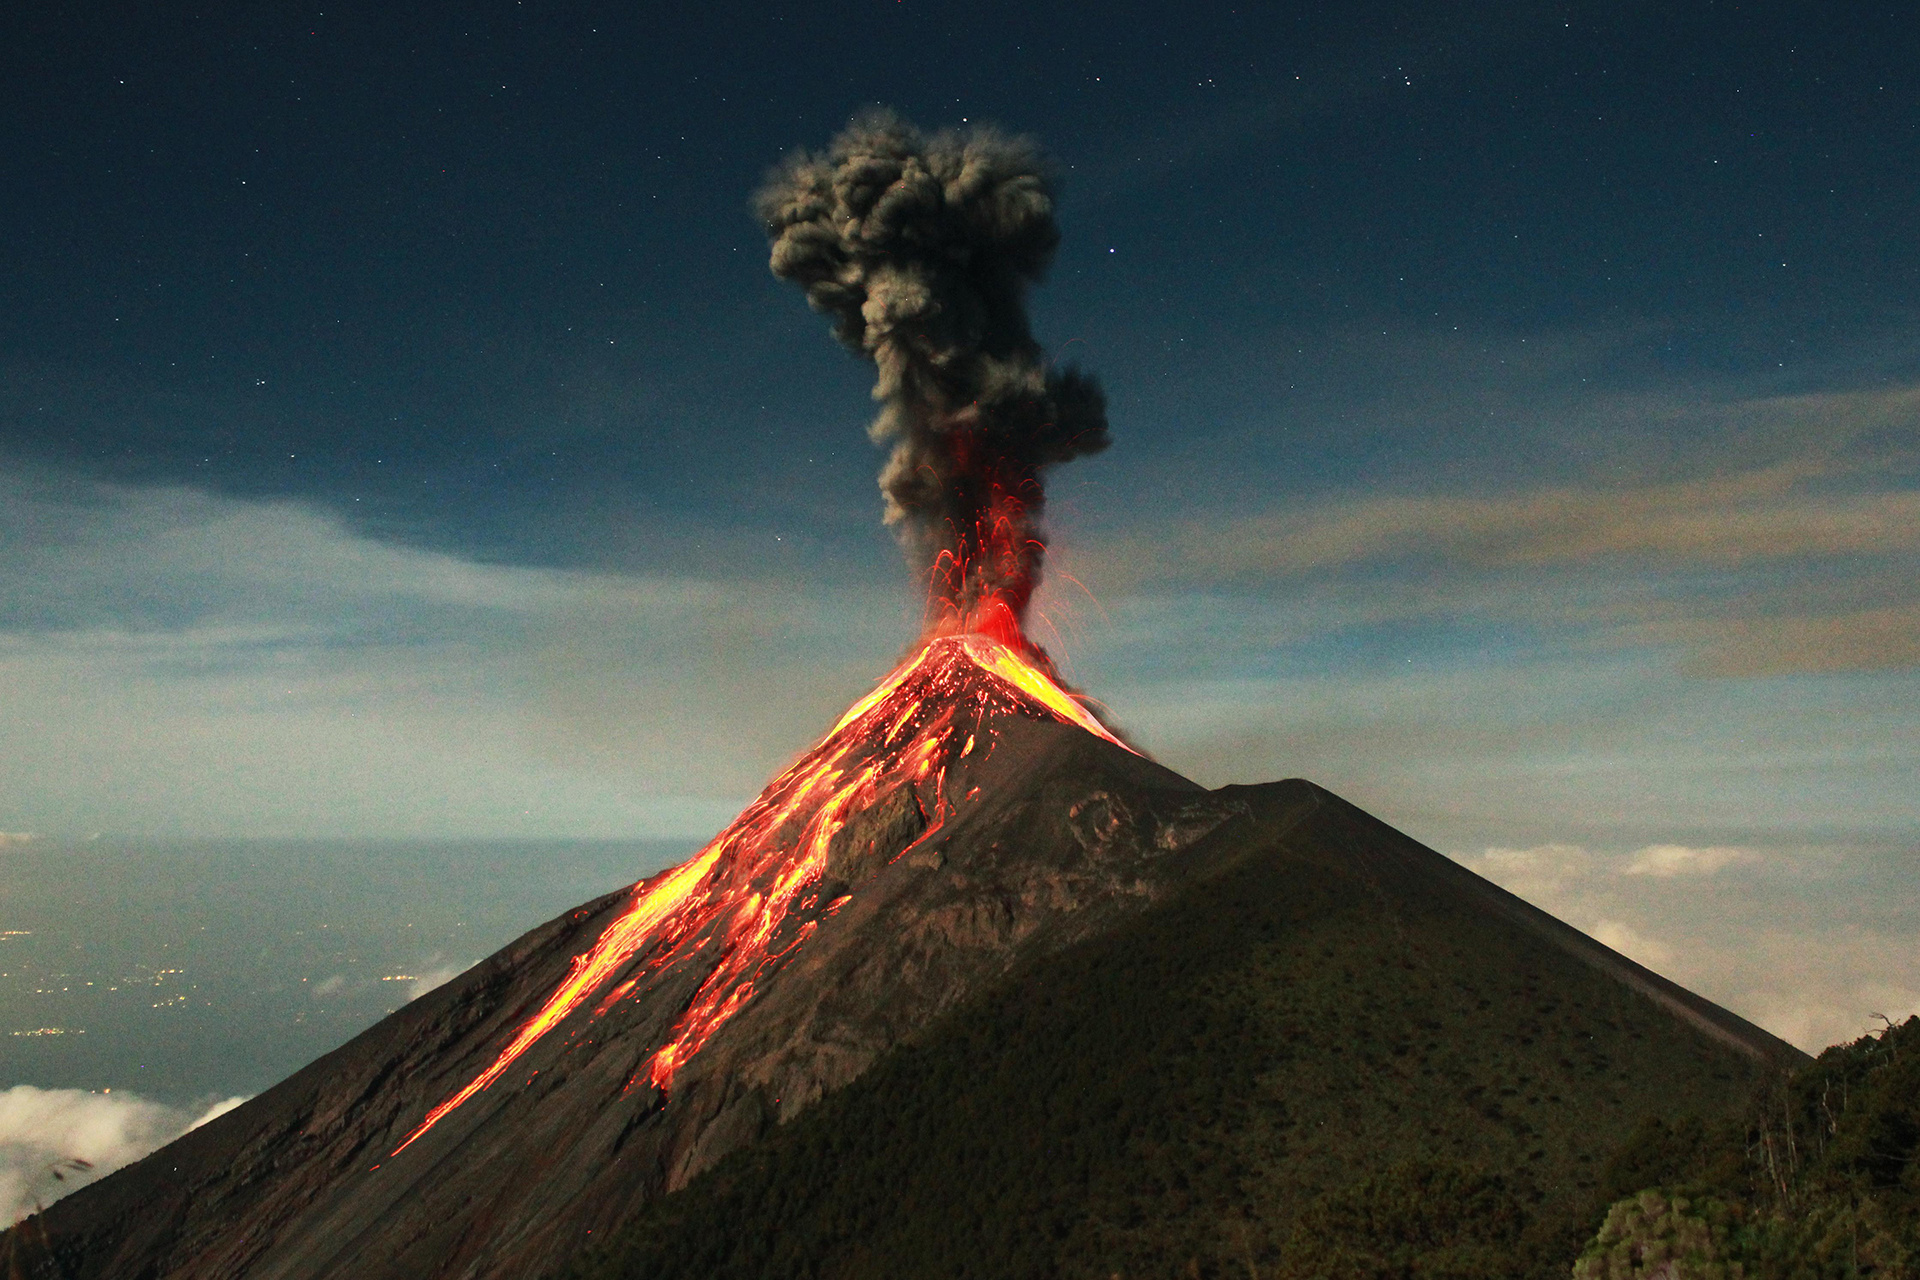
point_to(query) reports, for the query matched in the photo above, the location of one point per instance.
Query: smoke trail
(922, 248)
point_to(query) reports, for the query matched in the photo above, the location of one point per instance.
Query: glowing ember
(753, 896)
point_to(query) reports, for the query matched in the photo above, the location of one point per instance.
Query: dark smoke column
(922, 249)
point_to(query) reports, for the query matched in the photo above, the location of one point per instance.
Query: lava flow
(761, 888)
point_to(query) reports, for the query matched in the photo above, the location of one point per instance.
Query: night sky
(1516, 417)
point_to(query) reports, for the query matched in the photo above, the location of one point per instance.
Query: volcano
(968, 825)
(973, 987)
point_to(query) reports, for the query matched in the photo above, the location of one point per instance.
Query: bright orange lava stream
(754, 894)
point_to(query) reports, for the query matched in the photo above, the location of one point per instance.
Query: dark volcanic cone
(965, 822)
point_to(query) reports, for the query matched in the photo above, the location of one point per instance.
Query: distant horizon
(1597, 890)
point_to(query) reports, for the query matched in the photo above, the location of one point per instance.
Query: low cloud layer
(1670, 685)
(47, 1135)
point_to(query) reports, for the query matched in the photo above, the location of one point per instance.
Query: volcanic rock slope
(1329, 1053)
(937, 883)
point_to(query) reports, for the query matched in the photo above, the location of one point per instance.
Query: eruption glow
(748, 900)
(921, 248)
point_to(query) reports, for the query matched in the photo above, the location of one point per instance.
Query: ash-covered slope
(1330, 1052)
(965, 816)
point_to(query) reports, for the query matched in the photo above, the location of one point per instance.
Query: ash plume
(922, 247)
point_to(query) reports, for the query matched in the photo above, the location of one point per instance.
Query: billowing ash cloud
(921, 248)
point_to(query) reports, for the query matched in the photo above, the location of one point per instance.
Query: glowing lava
(754, 895)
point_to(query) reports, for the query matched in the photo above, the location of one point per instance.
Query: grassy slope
(1280, 1057)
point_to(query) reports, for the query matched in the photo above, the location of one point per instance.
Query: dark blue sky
(458, 274)
(1516, 419)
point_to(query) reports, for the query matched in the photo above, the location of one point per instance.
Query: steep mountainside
(1333, 1052)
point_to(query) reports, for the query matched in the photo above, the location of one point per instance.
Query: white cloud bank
(45, 1131)
(1668, 860)
(1631, 943)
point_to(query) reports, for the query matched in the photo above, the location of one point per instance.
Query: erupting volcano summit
(922, 250)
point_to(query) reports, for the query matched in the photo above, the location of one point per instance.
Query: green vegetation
(1820, 1181)
(1435, 1221)
(1655, 1235)
(1289, 1071)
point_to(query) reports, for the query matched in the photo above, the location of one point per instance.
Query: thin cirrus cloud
(1792, 549)
(1760, 643)
(177, 661)
(1715, 521)
(1769, 513)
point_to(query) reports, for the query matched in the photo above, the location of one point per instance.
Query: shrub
(1654, 1236)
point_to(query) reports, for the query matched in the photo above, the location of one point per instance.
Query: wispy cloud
(432, 978)
(1812, 505)
(1718, 521)
(179, 661)
(1762, 642)
(1722, 521)
(432, 975)
(1668, 860)
(1796, 550)
(1630, 942)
